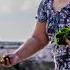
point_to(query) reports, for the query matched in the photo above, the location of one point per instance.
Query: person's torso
(56, 21)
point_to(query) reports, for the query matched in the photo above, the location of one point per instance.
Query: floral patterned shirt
(56, 20)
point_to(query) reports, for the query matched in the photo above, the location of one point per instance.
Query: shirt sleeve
(42, 12)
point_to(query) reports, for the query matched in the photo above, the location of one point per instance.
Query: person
(52, 15)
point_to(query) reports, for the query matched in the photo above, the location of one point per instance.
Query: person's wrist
(16, 59)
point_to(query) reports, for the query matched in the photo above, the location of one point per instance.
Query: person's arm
(37, 41)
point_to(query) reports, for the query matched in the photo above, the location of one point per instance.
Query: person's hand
(9, 60)
(68, 42)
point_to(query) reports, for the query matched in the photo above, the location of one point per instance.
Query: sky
(17, 19)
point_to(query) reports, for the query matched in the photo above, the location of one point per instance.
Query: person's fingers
(68, 41)
(3, 65)
(7, 59)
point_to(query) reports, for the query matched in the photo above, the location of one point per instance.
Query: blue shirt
(56, 20)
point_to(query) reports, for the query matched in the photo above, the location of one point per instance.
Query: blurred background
(17, 19)
(17, 22)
